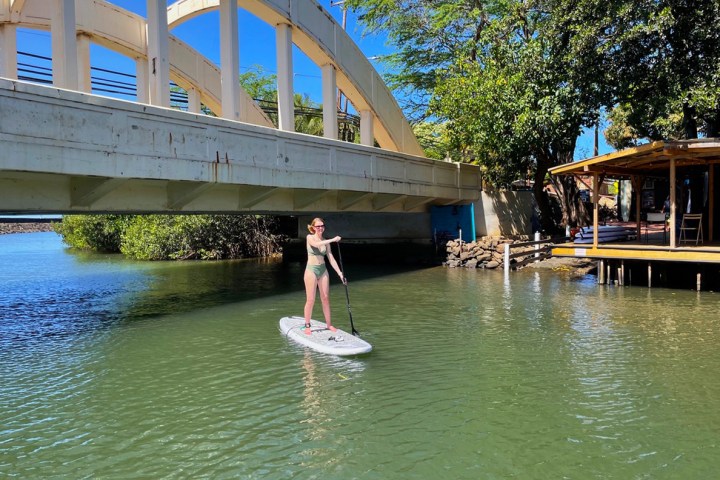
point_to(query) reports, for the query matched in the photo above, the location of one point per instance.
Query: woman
(316, 275)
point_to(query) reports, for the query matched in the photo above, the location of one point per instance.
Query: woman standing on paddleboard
(316, 275)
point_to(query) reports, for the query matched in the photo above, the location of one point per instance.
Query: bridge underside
(63, 152)
(27, 192)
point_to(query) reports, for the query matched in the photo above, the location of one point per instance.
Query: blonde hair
(311, 225)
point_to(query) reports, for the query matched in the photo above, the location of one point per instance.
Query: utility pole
(341, 3)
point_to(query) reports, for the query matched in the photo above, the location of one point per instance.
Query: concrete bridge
(65, 150)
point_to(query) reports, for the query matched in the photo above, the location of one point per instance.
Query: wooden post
(711, 200)
(673, 206)
(622, 272)
(649, 274)
(698, 281)
(601, 271)
(596, 203)
(638, 183)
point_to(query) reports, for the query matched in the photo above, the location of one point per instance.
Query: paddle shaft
(347, 294)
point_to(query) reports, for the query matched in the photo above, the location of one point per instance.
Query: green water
(118, 369)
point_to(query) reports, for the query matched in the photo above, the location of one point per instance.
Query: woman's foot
(307, 329)
(331, 328)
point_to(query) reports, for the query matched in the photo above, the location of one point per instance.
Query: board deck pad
(322, 339)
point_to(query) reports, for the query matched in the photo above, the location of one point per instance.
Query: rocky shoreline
(25, 227)
(488, 253)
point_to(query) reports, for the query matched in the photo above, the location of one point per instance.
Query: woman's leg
(324, 287)
(311, 284)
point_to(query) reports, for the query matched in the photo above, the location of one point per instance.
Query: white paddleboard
(322, 339)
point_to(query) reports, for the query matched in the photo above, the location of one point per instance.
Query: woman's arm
(319, 243)
(335, 267)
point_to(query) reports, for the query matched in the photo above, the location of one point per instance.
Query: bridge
(63, 149)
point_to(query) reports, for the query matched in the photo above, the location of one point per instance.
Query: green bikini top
(316, 251)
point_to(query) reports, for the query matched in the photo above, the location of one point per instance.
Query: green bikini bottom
(318, 270)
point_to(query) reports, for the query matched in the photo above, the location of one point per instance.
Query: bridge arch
(125, 33)
(313, 30)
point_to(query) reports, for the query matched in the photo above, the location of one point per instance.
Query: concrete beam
(348, 199)
(382, 201)
(180, 194)
(250, 195)
(84, 191)
(306, 197)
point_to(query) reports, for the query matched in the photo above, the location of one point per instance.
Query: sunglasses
(319, 226)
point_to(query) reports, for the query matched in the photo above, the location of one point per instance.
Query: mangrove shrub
(174, 237)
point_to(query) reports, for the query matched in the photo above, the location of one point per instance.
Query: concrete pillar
(8, 51)
(84, 65)
(143, 80)
(158, 52)
(286, 104)
(194, 105)
(329, 97)
(230, 59)
(64, 45)
(367, 134)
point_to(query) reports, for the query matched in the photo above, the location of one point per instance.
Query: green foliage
(666, 65)
(515, 81)
(101, 233)
(434, 139)
(173, 237)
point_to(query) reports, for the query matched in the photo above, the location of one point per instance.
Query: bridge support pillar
(286, 107)
(329, 96)
(142, 80)
(230, 59)
(84, 77)
(8, 51)
(64, 45)
(194, 105)
(367, 133)
(158, 53)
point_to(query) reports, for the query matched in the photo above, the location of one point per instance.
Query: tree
(667, 64)
(515, 80)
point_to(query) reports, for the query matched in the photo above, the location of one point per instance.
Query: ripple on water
(111, 372)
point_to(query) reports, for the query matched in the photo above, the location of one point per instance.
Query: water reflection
(173, 371)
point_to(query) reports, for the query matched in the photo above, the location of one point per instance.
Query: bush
(102, 233)
(176, 237)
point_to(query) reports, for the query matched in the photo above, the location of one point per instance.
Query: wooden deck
(652, 245)
(640, 251)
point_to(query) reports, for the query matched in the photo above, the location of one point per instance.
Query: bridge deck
(63, 151)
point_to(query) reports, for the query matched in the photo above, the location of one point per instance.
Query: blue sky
(257, 48)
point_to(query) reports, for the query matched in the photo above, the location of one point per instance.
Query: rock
(492, 264)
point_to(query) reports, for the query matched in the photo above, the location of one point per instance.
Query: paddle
(347, 295)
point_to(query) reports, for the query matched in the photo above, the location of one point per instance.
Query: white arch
(125, 32)
(315, 32)
(320, 37)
